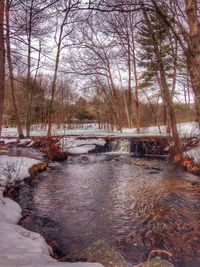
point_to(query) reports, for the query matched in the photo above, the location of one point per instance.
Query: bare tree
(11, 73)
(2, 63)
(65, 26)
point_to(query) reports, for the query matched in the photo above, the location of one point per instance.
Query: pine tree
(148, 59)
(157, 42)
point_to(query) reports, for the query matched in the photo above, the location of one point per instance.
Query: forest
(120, 63)
(100, 133)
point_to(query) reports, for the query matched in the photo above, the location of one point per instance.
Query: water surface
(135, 205)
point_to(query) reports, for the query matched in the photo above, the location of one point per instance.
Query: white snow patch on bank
(9, 141)
(21, 247)
(25, 141)
(15, 168)
(18, 246)
(80, 146)
(194, 154)
(10, 211)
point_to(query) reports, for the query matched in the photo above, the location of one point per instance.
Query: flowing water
(135, 205)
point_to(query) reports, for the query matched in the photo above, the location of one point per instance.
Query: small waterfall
(120, 146)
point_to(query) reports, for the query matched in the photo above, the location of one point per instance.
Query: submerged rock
(42, 166)
(156, 262)
(101, 252)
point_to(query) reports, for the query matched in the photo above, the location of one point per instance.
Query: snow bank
(18, 246)
(185, 129)
(80, 146)
(8, 141)
(194, 154)
(10, 211)
(15, 168)
(25, 141)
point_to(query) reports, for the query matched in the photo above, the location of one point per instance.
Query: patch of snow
(80, 146)
(31, 143)
(21, 247)
(15, 168)
(188, 129)
(9, 141)
(9, 132)
(185, 129)
(24, 141)
(18, 246)
(81, 149)
(194, 154)
(10, 211)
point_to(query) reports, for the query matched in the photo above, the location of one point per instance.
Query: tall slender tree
(64, 28)
(187, 34)
(11, 72)
(2, 63)
(148, 61)
(157, 51)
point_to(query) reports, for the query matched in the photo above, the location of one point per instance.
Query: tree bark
(129, 85)
(193, 53)
(10, 67)
(136, 85)
(164, 87)
(2, 64)
(190, 44)
(53, 88)
(28, 78)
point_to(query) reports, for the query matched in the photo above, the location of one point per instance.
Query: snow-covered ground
(185, 129)
(18, 246)
(79, 146)
(194, 154)
(14, 168)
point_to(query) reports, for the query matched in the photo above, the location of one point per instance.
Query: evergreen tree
(148, 59)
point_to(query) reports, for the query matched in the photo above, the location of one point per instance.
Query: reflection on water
(135, 205)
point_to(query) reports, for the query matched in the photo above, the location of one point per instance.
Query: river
(135, 205)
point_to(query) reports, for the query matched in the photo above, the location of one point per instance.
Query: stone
(155, 262)
(101, 252)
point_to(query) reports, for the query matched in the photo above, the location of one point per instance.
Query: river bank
(113, 197)
(18, 246)
(85, 146)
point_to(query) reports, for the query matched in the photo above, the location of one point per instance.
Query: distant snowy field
(185, 129)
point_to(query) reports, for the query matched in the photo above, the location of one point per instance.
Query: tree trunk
(2, 64)
(129, 86)
(136, 87)
(164, 87)
(10, 67)
(193, 63)
(28, 85)
(190, 43)
(53, 89)
(193, 53)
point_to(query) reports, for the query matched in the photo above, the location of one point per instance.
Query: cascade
(120, 146)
